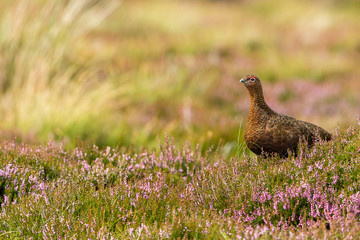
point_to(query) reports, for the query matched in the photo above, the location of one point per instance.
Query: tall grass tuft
(43, 87)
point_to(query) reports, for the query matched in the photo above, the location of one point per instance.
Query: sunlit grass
(44, 90)
(156, 67)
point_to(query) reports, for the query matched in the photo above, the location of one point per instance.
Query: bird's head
(253, 85)
(251, 81)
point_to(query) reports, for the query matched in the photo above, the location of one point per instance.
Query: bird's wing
(283, 132)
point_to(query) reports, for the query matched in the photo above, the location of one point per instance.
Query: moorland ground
(124, 76)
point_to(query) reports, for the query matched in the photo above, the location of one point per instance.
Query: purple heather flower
(6, 201)
(319, 165)
(275, 206)
(336, 177)
(86, 166)
(42, 187)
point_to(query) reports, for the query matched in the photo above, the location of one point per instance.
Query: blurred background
(129, 72)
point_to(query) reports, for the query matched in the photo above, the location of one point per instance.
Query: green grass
(44, 91)
(127, 74)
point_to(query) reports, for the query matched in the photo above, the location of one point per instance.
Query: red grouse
(268, 132)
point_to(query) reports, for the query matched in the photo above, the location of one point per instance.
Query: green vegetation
(179, 193)
(127, 74)
(104, 83)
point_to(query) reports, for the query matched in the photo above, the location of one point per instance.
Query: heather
(90, 88)
(177, 192)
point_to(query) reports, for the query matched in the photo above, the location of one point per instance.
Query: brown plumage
(268, 132)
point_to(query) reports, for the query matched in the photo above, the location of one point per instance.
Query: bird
(269, 133)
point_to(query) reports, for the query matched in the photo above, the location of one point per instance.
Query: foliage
(177, 192)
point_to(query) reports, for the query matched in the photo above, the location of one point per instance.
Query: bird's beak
(243, 80)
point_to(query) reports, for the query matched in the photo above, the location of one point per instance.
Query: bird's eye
(252, 79)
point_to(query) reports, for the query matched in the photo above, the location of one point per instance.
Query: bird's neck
(258, 104)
